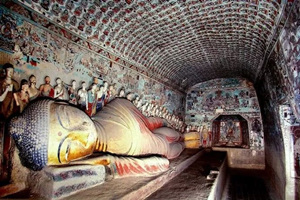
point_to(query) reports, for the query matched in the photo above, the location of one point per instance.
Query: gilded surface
(72, 134)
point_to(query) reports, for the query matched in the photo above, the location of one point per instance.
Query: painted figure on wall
(33, 90)
(8, 86)
(83, 97)
(66, 138)
(22, 97)
(72, 93)
(46, 89)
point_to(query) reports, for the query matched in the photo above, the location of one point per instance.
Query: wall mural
(289, 49)
(63, 33)
(291, 131)
(147, 32)
(206, 101)
(37, 51)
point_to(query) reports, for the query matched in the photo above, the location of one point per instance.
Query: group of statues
(13, 99)
(51, 132)
(203, 132)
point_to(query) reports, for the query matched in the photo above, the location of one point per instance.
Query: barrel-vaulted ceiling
(185, 41)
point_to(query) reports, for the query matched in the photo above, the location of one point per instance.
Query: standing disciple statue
(121, 93)
(46, 89)
(22, 97)
(96, 81)
(139, 104)
(33, 90)
(59, 90)
(106, 92)
(83, 97)
(92, 100)
(100, 98)
(130, 96)
(7, 87)
(72, 93)
(112, 92)
(136, 100)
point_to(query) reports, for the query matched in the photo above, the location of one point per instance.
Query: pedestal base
(58, 182)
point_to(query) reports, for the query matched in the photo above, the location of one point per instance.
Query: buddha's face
(72, 134)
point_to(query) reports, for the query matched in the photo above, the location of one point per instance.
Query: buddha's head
(52, 133)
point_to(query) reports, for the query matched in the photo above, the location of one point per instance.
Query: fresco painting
(36, 51)
(230, 132)
(289, 61)
(206, 101)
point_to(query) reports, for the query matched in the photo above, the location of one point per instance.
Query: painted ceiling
(183, 41)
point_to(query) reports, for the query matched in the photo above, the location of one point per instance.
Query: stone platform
(93, 182)
(138, 187)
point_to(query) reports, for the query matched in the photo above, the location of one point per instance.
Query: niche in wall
(230, 131)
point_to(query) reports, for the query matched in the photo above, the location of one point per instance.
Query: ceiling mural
(181, 42)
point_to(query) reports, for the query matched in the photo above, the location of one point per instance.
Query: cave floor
(192, 183)
(246, 184)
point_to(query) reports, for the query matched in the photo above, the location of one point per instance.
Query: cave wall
(39, 51)
(236, 96)
(278, 86)
(270, 93)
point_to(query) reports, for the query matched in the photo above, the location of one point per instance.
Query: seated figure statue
(56, 133)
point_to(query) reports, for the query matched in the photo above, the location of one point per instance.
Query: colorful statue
(96, 81)
(121, 93)
(32, 90)
(83, 97)
(139, 104)
(136, 100)
(106, 92)
(92, 100)
(8, 86)
(112, 92)
(22, 97)
(54, 133)
(100, 98)
(60, 90)
(130, 96)
(46, 89)
(72, 93)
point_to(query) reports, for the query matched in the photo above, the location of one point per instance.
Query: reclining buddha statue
(56, 133)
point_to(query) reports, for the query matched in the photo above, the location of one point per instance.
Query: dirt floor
(192, 183)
